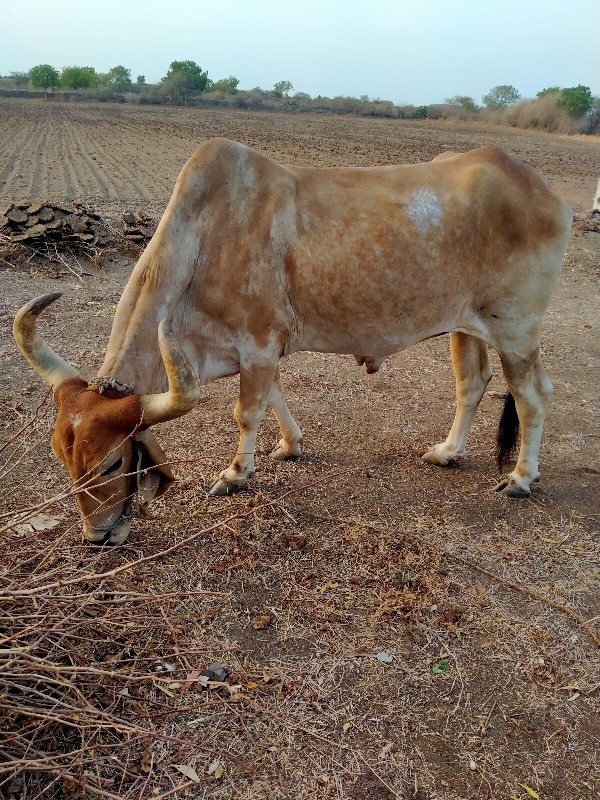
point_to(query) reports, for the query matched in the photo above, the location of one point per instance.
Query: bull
(253, 261)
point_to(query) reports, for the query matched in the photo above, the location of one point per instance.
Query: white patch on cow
(424, 210)
(76, 419)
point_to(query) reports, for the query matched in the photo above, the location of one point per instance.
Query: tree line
(186, 79)
(183, 79)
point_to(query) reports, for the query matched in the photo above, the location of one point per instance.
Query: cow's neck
(133, 356)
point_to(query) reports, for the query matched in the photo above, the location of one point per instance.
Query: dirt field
(493, 679)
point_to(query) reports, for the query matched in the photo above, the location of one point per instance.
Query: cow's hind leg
(531, 389)
(291, 435)
(255, 387)
(473, 373)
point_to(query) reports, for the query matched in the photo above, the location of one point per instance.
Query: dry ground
(489, 686)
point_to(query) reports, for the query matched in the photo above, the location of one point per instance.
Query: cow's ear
(155, 476)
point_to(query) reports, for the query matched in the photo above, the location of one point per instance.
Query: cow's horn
(184, 388)
(48, 365)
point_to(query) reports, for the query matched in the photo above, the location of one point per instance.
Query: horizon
(316, 48)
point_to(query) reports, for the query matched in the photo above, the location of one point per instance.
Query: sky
(407, 51)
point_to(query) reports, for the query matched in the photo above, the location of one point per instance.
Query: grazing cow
(253, 261)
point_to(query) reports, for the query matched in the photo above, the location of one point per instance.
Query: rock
(129, 219)
(215, 672)
(17, 216)
(30, 233)
(32, 221)
(3, 221)
(54, 225)
(46, 214)
(34, 208)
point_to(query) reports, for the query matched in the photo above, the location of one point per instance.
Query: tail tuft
(508, 430)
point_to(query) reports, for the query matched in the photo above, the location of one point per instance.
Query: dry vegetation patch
(355, 625)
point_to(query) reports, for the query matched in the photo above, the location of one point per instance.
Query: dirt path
(385, 558)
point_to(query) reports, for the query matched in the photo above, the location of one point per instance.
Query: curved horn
(48, 365)
(184, 388)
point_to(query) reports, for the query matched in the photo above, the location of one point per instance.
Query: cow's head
(103, 438)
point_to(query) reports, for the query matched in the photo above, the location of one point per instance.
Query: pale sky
(407, 51)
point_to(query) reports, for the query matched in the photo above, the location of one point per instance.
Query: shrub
(576, 101)
(541, 114)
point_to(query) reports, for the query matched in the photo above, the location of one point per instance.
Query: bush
(541, 114)
(576, 101)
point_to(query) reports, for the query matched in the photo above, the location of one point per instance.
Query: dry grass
(488, 608)
(490, 684)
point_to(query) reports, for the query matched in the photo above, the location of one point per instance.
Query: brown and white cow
(253, 261)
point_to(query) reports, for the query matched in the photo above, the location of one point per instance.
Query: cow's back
(391, 255)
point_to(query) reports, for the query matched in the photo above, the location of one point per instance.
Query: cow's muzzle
(117, 533)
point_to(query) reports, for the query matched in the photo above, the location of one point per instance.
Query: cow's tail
(508, 430)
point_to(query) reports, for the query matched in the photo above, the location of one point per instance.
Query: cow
(253, 261)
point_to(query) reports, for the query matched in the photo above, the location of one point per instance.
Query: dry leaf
(531, 792)
(346, 726)
(189, 772)
(260, 621)
(40, 522)
(146, 761)
(190, 678)
(215, 769)
(385, 750)
(328, 585)
(163, 689)
(386, 658)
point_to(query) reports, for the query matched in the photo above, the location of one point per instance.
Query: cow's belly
(382, 331)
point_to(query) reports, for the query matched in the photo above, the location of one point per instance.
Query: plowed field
(483, 610)
(115, 156)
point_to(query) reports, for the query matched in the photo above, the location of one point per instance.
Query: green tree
(140, 80)
(282, 88)
(20, 78)
(462, 101)
(548, 90)
(576, 100)
(227, 85)
(119, 78)
(183, 79)
(501, 96)
(44, 77)
(78, 77)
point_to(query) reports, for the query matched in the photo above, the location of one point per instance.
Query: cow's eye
(113, 467)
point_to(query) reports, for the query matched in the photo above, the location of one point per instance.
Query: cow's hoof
(436, 455)
(222, 487)
(510, 488)
(279, 454)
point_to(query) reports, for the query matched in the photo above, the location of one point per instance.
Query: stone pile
(137, 227)
(35, 223)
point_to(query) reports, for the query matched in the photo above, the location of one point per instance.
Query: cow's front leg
(473, 373)
(255, 386)
(291, 435)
